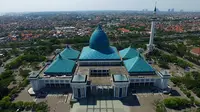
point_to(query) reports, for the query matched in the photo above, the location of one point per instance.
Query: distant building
(172, 10)
(123, 30)
(196, 51)
(181, 10)
(1, 55)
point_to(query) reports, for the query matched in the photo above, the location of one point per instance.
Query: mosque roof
(137, 65)
(79, 78)
(99, 39)
(120, 78)
(60, 66)
(70, 53)
(99, 48)
(128, 53)
(106, 54)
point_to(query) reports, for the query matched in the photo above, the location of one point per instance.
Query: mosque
(99, 65)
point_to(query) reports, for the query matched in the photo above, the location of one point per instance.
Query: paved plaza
(133, 103)
(99, 104)
(58, 103)
(140, 101)
(58, 99)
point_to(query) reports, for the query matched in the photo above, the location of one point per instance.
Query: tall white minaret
(150, 46)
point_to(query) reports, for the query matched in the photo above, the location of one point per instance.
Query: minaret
(150, 46)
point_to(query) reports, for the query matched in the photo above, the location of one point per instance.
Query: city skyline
(87, 5)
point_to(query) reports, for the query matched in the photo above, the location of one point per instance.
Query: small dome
(99, 39)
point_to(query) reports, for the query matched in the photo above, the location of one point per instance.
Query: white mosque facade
(99, 65)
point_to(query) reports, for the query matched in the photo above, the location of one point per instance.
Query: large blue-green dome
(99, 39)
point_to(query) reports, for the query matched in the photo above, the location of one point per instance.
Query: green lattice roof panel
(107, 54)
(120, 78)
(138, 65)
(128, 53)
(60, 66)
(70, 53)
(79, 78)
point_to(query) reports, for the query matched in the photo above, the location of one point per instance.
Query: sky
(77, 5)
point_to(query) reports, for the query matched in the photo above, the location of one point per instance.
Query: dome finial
(155, 9)
(59, 56)
(139, 55)
(99, 27)
(67, 46)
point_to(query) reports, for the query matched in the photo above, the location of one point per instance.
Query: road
(197, 67)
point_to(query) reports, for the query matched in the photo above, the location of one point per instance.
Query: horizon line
(93, 10)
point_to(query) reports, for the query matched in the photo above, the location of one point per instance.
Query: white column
(59, 84)
(123, 91)
(126, 90)
(73, 91)
(152, 32)
(76, 92)
(85, 90)
(117, 91)
(82, 92)
(114, 92)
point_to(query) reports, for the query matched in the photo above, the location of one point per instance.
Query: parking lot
(139, 99)
(24, 96)
(58, 103)
(57, 99)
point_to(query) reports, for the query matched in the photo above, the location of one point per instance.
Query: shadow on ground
(53, 91)
(174, 93)
(131, 100)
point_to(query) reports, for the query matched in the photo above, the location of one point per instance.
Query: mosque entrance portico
(99, 72)
(101, 90)
(120, 85)
(79, 87)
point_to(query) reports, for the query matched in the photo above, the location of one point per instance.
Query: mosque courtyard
(141, 101)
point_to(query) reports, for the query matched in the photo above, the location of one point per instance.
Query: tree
(24, 73)
(176, 103)
(5, 102)
(19, 104)
(1, 62)
(28, 105)
(42, 107)
(160, 107)
(192, 100)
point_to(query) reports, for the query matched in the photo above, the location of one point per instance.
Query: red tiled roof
(124, 30)
(196, 50)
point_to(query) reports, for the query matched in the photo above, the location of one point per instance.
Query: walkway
(99, 104)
